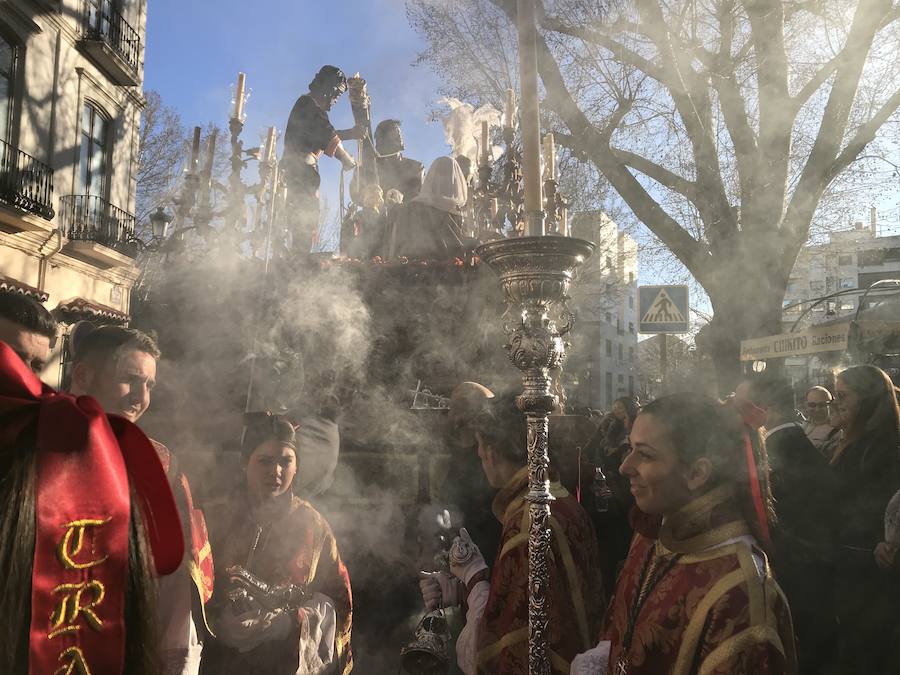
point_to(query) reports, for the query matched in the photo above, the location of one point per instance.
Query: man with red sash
(87, 509)
(494, 640)
(117, 366)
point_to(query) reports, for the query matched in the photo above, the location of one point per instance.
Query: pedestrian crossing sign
(663, 309)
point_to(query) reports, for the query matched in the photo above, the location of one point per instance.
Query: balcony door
(91, 210)
(94, 152)
(7, 82)
(103, 17)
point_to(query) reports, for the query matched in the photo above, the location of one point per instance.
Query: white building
(70, 107)
(602, 364)
(850, 259)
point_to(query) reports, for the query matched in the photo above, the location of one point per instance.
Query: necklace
(651, 575)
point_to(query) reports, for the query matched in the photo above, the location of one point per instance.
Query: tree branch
(660, 174)
(690, 251)
(623, 53)
(820, 165)
(863, 136)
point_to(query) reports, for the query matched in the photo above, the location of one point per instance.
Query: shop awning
(815, 340)
(79, 309)
(14, 286)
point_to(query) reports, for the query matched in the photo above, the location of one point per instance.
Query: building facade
(851, 259)
(602, 365)
(70, 107)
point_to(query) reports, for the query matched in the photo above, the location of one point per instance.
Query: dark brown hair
(107, 342)
(28, 313)
(260, 427)
(503, 427)
(877, 415)
(17, 534)
(700, 426)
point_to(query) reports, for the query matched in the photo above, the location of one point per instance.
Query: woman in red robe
(696, 594)
(281, 540)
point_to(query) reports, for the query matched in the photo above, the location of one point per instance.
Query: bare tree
(726, 126)
(161, 153)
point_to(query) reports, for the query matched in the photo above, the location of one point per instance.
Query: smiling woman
(695, 594)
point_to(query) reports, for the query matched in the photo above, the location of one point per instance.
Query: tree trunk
(747, 297)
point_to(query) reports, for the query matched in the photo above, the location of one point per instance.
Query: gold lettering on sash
(72, 541)
(64, 618)
(76, 664)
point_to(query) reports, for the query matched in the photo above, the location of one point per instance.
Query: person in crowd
(430, 225)
(117, 366)
(281, 539)
(886, 551)
(495, 637)
(466, 487)
(396, 172)
(867, 464)
(77, 562)
(607, 450)
(308, 134)
(27, 327)
(805, 492)
(695, 594)
(818, 427)
(616, 426)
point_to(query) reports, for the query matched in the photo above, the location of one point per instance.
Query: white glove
(247, 631)
(593, 662)
(438, 590)
(347, 161)
(465, 558)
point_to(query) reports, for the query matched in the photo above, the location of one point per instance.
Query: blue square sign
(663, 309)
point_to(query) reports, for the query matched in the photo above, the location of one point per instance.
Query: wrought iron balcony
(25, 183)
(111, 41)
(92, 219)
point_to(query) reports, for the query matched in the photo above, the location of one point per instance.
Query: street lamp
(159, 223)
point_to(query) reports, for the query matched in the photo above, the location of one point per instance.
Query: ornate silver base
(535, 275)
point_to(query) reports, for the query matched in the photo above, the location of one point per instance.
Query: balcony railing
(103, 22)
(25, 182)
(90, 218)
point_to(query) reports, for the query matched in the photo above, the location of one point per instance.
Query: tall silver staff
(535, 275)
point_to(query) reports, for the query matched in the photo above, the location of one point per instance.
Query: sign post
(663, 310)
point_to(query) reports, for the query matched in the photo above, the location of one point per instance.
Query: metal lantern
(159, 223)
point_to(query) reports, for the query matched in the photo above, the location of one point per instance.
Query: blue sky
(195, 50)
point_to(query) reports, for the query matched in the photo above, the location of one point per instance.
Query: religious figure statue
(309, 133)
(396, 172)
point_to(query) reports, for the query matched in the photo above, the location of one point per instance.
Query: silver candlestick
(535, 275)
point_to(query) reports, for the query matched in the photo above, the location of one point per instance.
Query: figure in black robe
(309, 133)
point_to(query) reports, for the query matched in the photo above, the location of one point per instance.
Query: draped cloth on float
(295, 545)
(717, 610)
(575, 590)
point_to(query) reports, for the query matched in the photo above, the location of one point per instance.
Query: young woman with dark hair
(695, 594)
(867, 463)
(280, 539)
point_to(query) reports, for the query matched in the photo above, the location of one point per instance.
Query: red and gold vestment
(708, 602)
(575, 590)
(289, 542)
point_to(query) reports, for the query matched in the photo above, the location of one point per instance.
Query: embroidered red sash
(82, 518)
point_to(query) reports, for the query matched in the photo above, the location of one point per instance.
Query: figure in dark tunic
(309, 133)
(396, 172)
